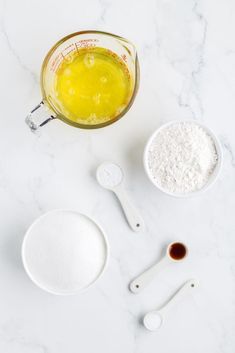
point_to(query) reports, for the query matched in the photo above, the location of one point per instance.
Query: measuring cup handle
(39, 117)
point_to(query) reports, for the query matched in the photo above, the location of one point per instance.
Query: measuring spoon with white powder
(175, 252)
(110, 176)
(153, 320)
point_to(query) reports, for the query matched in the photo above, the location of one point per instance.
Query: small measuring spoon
(153, 320)
(110, 176)
(175, 252)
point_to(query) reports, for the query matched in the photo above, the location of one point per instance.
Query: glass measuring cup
(64, 50)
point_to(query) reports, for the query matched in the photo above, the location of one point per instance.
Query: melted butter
(92, 87)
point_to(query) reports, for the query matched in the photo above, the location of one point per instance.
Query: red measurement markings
(86, 43)
(69, 49)
(56, 62)
(76, 46)
(88, 40)
(120, 60)
(124, 58)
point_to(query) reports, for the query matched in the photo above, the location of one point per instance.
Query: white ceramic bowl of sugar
(213, 176)
(64, 252)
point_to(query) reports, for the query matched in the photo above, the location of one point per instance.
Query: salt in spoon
(153, 320)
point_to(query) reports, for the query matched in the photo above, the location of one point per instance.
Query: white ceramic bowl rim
(40, 285)
(213, 176)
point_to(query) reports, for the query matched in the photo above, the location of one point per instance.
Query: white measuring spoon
(110, 176)
(175, 252)
(153, 320)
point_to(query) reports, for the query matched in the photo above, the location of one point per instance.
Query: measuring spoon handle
(188, 287)
(139, 283)
(132, 214)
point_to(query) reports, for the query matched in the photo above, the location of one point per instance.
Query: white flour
(182, 157)
(65, 251)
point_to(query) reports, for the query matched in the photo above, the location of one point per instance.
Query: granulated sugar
(182, 157)
(64, 251)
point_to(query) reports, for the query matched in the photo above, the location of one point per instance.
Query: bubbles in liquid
(91, 119)
(103, 79)
(71, 91)
(67, 72)
(69, 58)
(89, 60)
(96, 98)
(93, 87)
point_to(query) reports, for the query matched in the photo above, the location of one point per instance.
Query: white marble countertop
(187, 59)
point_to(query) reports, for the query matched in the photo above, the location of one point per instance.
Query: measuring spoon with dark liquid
(175, 252)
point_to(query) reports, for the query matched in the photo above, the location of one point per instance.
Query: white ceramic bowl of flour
(183, 158)
(64, 252)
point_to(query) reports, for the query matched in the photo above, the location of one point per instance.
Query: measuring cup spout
(129, 47)
(39, 117)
